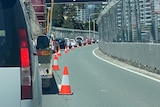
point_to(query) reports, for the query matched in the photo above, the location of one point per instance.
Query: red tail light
(26, 86)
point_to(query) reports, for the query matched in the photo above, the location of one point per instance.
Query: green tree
(70, 16)
(68, 24)
(57, 19)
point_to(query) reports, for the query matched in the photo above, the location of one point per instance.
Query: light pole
(89, 22)
(94, 26)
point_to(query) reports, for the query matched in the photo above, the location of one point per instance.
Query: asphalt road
(96, 83)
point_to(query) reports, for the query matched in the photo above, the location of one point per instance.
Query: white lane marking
(149, 77)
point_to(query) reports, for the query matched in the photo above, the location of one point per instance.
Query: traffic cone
(72, 47)
(59, 51)
(86, 44)
(82, 45)
(55, 65)
(68, 48)
(77, 45)
(65, 50)
(55, 53)
(65, 87)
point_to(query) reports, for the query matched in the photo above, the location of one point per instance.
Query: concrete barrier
(145, 55)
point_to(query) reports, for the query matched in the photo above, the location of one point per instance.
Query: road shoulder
(121, 64)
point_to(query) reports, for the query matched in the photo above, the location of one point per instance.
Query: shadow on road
(53, 88)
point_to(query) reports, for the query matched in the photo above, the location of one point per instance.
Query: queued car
(55, 46)
(73, 42)
(68, 42)
(62, 43)
(88, 41)
(80, 40)
(93, 40)
(19, 72)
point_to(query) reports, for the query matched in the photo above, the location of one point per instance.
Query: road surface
(97, 83)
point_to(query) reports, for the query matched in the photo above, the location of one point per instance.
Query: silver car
(20, 82)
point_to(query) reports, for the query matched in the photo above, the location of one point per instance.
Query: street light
(89, 22)
(94, 25)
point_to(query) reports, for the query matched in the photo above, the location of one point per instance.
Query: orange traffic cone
(65, 50)
(59, 51)
(55, 53)
(72, 47)
(77, 45)
(55, 65)
(65, 87)
(68, 48)
(82, 45)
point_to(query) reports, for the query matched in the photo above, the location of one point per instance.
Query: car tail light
(26, 86)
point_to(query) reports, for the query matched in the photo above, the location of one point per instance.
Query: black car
(62, 42)
(78, 42)
(55, 46)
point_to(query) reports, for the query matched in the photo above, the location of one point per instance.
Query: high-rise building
(136, 18)
(84, 13)
(81, 14)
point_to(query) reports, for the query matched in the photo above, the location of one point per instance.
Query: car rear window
(71, 40)
(60, 40)
(42, 42)
(9, 42)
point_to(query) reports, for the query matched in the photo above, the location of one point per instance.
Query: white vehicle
(20, 80)
(68, 42)
(73, 42)
(80, 40)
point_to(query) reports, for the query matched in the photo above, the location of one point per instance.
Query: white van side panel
(10, 87)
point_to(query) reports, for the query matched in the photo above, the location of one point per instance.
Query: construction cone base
(65, 90)
(65, 94)
(56, 68)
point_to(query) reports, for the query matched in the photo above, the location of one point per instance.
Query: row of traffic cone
(55, 65)
(65, 86)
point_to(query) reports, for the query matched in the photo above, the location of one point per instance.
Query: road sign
(72, 1)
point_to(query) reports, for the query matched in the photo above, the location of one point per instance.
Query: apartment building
(81, 14)
(138, 19)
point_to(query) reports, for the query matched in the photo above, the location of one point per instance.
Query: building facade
(138, 20)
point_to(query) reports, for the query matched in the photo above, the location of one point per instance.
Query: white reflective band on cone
(65, 80)
(55, 62)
